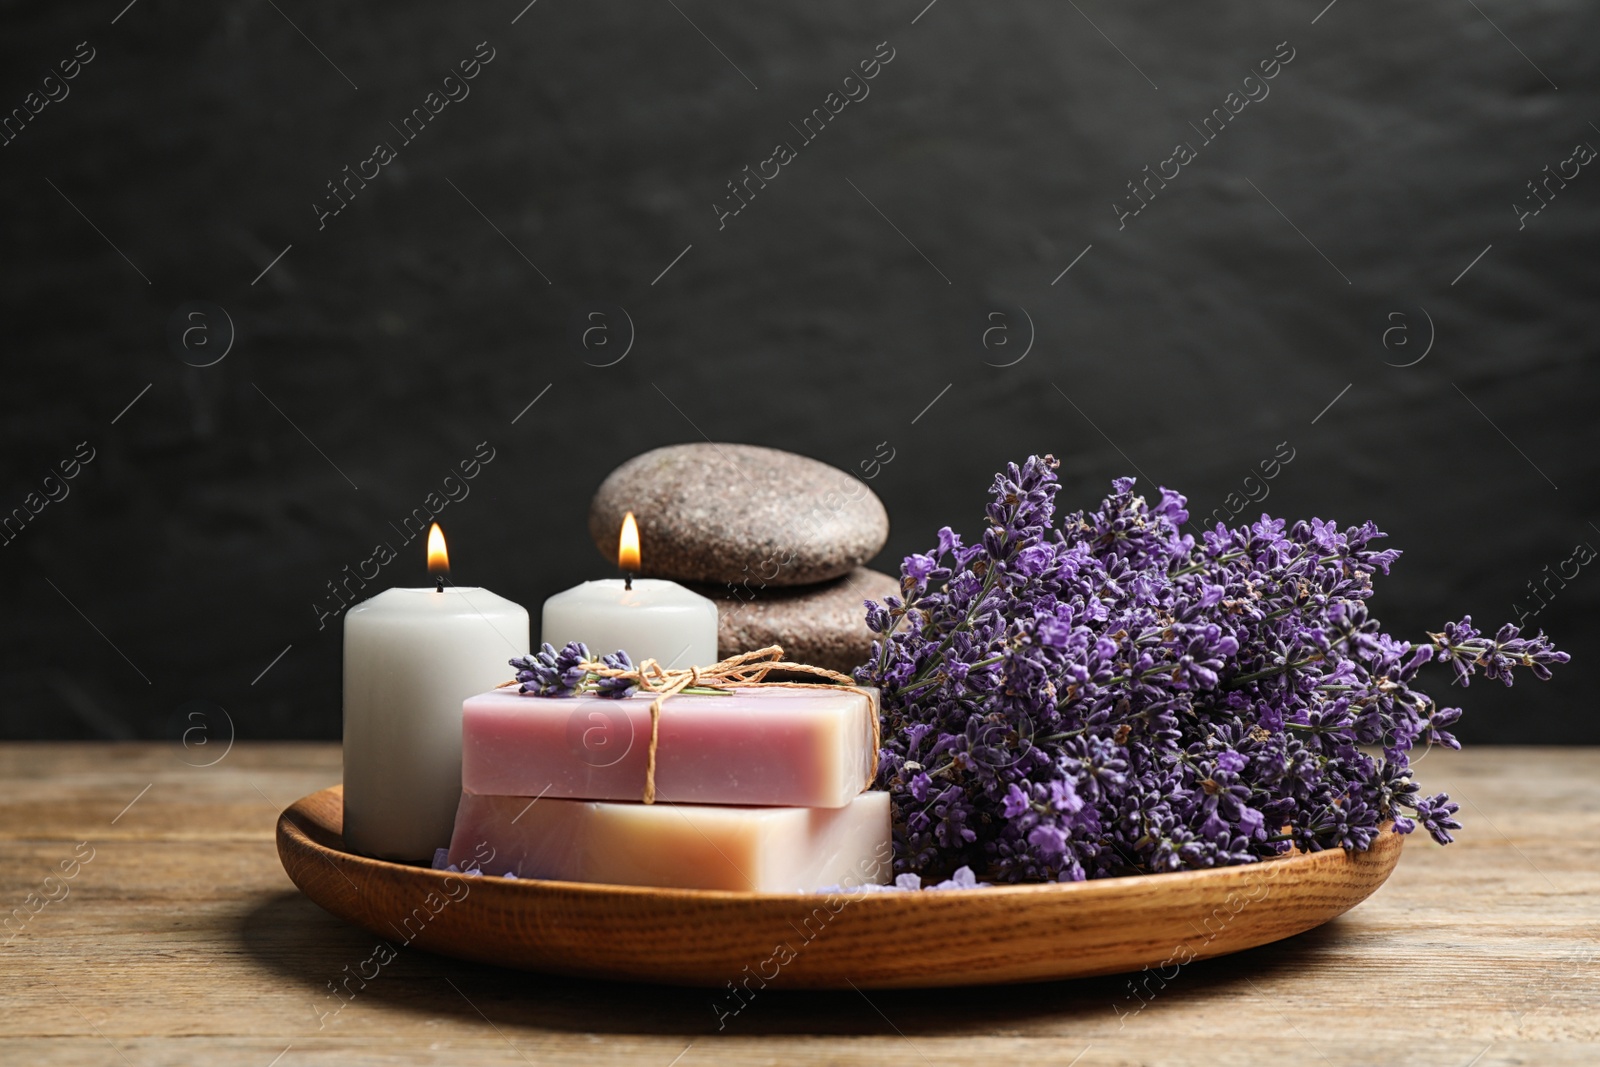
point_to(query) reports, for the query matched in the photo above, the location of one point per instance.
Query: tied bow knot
(743, 671)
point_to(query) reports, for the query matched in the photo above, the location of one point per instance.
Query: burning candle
(649, 618)
(411, 656)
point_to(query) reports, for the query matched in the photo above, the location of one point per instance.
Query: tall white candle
(649, 618)
(411, 656)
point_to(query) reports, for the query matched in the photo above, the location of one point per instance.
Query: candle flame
(628, 545)
(438, 558)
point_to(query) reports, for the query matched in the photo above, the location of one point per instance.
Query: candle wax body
(678, 846)
(411, 656)
(656, 619)
(806, 747)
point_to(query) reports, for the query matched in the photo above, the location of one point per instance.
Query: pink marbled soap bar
(678, 846)
(795, 747)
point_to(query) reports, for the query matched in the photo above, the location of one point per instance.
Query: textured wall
(585, 168)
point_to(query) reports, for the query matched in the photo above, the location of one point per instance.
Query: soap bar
(799, 747)
(678, 846)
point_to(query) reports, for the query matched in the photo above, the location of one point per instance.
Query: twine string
(745, 670)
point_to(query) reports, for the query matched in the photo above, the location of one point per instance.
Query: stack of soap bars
(759, 789)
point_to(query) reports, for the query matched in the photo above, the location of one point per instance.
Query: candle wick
(627, 580)
(440, 587)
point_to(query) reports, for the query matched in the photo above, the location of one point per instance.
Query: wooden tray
(869, 940)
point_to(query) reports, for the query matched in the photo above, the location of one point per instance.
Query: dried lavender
(1108, 696)
(548, 673)
(572, 672)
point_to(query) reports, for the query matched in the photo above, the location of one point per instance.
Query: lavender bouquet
(1109, 697)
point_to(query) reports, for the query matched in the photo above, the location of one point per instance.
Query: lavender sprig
(570, 672)
(1108, 695)
(548, 673)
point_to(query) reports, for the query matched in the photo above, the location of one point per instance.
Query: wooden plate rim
(289, 831)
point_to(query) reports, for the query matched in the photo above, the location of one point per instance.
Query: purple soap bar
(679, 846)
(794, 747)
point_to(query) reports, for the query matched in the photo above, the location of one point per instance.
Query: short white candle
(656, 619)
(649, 618)
(411, 656)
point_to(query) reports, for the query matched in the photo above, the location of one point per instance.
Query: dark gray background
(1197, 339)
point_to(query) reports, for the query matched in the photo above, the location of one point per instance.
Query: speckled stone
(721, 513)
(824, 625)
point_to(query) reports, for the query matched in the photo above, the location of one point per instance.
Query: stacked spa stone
(776, 539)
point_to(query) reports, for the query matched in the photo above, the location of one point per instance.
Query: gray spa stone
(823, 625)
(720, 513)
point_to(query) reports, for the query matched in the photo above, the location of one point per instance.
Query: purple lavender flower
(1105, 694)
(548, 673)
(616, 688)
(1436, 815)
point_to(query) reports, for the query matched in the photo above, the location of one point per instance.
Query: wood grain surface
(178, 939)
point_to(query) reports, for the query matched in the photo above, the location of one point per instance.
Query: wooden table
(179, 940)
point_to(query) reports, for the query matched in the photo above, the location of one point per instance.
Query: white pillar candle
(648, 618)
(411, 656)
(656, 619)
